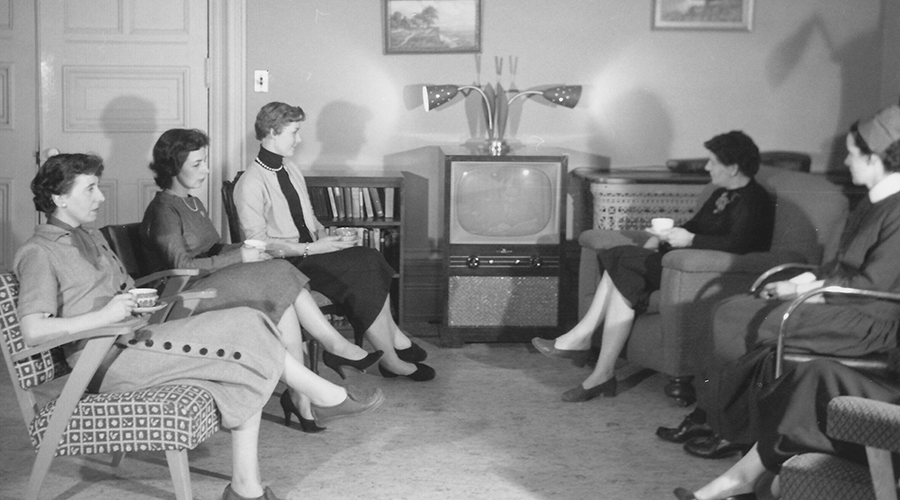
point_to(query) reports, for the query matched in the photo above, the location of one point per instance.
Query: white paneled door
(114, 75)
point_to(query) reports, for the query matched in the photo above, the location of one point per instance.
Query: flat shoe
(694, 425)
(546, 347)
(579, 394)
(358, 402)
(412, 354)
(713, 447)
(423, 373)
(229, 494)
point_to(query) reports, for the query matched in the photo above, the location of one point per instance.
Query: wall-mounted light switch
(260, 80)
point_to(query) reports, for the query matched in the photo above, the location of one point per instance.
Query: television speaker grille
(488, 301)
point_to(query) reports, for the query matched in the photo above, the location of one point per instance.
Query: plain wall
(796, 81)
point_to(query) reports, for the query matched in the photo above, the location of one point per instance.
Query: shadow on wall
(643, 116)
(859, 81)
(341, 132)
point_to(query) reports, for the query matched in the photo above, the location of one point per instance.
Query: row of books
(385, 240)
(335, 202)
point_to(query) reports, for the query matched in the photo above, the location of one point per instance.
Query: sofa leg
(682, 390)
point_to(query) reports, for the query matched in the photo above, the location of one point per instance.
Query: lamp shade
(434, 96)
(564, 95)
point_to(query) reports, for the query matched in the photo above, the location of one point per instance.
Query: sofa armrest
(865, 421)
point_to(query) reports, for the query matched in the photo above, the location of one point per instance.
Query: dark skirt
(793, 411)
(269, 287)
(636, 272)
(741, 357)
(357, 280)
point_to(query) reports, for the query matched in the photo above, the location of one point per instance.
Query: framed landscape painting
(703, 14)
(431, 26)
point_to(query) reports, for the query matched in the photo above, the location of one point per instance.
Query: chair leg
(181, 475)
(882, 471)
(682, 390)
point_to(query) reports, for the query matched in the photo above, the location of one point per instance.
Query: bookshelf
(380, 227)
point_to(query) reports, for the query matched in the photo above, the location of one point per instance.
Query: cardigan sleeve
(250, 201)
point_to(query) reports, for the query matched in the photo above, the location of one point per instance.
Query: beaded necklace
(263, 165)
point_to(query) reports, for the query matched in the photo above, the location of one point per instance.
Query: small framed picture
(431, 26)
(703, 14)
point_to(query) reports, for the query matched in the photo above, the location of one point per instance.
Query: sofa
(669, 337)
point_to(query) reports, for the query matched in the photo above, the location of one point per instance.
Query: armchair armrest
(832, 289)
(865, 421)
(121, 328)
(601, 239)
(694, 260)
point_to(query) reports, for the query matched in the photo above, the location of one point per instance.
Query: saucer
(151, 309)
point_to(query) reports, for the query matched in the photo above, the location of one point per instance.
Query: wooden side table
(629, 198)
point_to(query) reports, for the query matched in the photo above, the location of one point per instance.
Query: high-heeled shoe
(358, 402)
(412, 354)
(685, 494)
(306, 425)
(337, 363)
(548, 348)
(580, 394)
(423, 373)
(229, 494)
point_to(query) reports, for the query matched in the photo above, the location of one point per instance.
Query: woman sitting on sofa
(178, 233)
(745, 328)
(738, 217)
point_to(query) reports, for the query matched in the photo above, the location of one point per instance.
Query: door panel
(115, 74)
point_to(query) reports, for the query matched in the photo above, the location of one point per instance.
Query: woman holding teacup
(71, 282)
(177, 231)
(738, 217)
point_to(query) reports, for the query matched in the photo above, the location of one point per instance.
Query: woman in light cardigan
(273, 205)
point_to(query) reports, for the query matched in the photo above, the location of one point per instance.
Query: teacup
(145, 297)
(347, 233)
(662, 223)
(257, 244)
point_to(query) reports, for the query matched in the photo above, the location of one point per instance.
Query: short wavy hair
(171, 150)
(57, 175)
(735, 148)
(890, 158)
(274, 116)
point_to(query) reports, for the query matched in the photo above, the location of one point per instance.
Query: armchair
(809, 217)
(77, 422)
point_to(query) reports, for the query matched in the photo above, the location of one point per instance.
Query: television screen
(505, 202)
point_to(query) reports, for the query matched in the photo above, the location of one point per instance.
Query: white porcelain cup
(145, 297)
(257, 244)
(662, 223)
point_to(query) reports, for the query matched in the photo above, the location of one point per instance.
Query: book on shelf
(339, 201)
(376, 202)
(331, 202)
(367, 204)
(355, 208)
(348, 202)
(388, 203)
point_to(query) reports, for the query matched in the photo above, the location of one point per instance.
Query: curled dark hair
(171, 150)
(58, 173)
(735, 148)
(890, 158)
(274, 116)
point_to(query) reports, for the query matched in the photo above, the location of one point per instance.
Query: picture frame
(703, 14)
(431, 26)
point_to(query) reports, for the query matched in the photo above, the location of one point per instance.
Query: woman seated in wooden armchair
(738, 218)
(745, 328)
(71, 282)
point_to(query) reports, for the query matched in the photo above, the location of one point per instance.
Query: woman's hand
(652, 243)
(251, 254)
(328, 244)
(678, 237)
(118, 308)
(779, 290)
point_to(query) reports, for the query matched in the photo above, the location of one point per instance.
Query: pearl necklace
(263, 165)
(184, 200)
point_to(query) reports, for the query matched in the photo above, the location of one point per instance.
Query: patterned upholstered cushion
(865, 422)
(814, 476)
(164, 417)
(39, 368)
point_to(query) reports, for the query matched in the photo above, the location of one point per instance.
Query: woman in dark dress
(745, 328)
(738, 217)
(273, 206)
(71, 282)
(178, 234)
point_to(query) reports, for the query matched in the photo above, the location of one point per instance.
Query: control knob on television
(536, 261)
(473, 261)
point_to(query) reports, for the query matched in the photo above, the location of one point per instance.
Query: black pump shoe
(308, 426)
(423, 373)
(694, 425)
(412, 354)
(337, 363)
(713, 447)
(684, 494)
